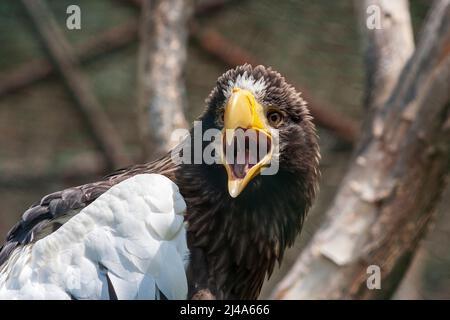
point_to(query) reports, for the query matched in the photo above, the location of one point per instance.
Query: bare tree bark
(386, 50)
(162, 57)
(65, 61)
(387, 198)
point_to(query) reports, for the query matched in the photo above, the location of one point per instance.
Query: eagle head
(266, 128)
(241, 216)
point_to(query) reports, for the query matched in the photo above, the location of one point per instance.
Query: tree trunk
(386, 50)
(387, 198)
(162, 56)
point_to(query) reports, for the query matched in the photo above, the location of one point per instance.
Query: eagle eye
(221, 116)
(275, 118)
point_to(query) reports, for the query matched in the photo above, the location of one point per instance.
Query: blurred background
(45, 145)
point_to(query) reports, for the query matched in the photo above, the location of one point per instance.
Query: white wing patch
(133, 236)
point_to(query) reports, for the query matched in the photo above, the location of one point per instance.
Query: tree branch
(162, 57)
(37, 69)
(387, 198)
(66, 63)
(386, 50)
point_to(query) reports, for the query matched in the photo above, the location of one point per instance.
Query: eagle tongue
(239, 170)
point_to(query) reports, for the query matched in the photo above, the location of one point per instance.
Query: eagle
(180, 229)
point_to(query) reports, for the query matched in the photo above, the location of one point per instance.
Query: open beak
(246, 142)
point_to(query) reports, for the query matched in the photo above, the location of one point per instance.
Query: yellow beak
(244, 112)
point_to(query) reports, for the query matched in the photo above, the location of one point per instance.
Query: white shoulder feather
(131, 239)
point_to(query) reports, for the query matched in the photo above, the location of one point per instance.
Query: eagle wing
(49, 214)
(53, 210)
(129, 243)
